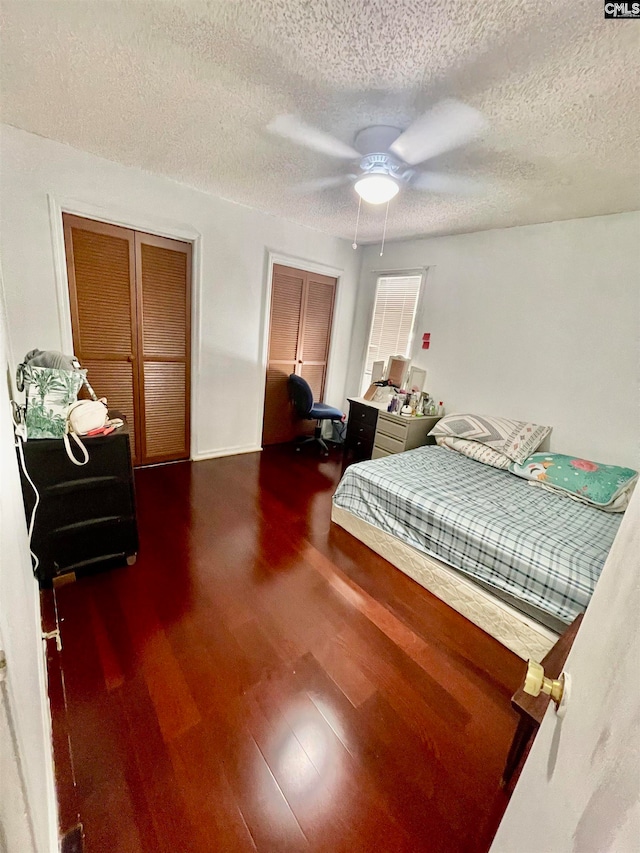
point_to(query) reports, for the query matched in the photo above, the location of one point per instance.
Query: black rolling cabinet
(86, 515)
(361, 431)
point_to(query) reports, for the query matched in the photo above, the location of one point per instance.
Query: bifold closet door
(287, 286)
(102, 295)
(299, 336)
(164, 273)
(315, 331)
(130, 312)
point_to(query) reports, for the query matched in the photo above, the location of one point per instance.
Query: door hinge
(53, 635)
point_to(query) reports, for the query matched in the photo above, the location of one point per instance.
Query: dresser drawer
(359, 439)
(386, 442)
(102, 538)
(361, 414)
(392, 427)
(379, 453)
(48, 464)
(95, 498)
(357, 430)
(361, 449)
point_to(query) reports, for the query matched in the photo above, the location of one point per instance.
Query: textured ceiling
(186, 89)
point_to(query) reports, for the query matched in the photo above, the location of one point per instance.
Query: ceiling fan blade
(320, 184)
(292, 128)
(448, 125)
(447, 183)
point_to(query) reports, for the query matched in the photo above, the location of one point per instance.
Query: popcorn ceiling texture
(186, 90)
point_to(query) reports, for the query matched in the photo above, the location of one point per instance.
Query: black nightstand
(86, 515)
(361, 431)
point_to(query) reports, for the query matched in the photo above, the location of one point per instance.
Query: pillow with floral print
(605, 486)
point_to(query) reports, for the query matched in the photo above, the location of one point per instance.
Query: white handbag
(84, 416)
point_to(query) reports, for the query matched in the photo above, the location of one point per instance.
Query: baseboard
(225, 451)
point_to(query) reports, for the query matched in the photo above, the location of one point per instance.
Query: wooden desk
(532, 708)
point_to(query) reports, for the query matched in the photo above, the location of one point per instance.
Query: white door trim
(272, 258)
(151, 224)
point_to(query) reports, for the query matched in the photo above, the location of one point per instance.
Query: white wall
(15, 820)
(234, 245)
(25, 711)
(580, 789)
(538, 322)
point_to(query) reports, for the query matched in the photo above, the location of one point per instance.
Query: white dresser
(395, 433)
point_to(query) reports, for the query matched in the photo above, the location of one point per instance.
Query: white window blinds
(393, 317)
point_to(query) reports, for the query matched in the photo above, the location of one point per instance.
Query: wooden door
(579, 787)
(130, 313)
(299, 337)
(163, 273)
(102, 292)
(315, 334)
(287, 291)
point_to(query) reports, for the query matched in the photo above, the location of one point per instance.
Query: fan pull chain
(384, 232)
(354, 245)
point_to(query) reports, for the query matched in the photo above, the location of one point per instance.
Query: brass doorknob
(535, 683)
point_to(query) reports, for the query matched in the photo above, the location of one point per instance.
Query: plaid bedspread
(541, 547)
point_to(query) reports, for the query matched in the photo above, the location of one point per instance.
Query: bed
(518, 561)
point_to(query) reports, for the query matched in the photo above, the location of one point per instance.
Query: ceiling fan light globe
(376, 189)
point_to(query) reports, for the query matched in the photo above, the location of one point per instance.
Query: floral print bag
(49, 394)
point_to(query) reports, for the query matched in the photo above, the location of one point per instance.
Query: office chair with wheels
(302, 397)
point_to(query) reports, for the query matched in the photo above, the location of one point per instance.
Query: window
(394, 314)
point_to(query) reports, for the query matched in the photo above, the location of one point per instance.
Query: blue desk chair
(302, 398)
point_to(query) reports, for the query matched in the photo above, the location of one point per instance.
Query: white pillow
(474, 450)
(515, 439)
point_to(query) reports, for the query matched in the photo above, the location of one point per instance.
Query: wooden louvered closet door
(130, 313)
(102, 295)
(315, 327)
(163, 272)
(299, 337)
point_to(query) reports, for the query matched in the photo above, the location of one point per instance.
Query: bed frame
(515, 630)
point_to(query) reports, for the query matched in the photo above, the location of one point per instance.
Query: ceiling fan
(385, 156)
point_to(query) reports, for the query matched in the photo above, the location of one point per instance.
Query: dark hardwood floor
(260, 680)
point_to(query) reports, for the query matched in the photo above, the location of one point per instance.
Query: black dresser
(86, 515)
(361, 431)
(373, 433)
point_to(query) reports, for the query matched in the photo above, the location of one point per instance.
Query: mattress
(527, 637)
(538, 547)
